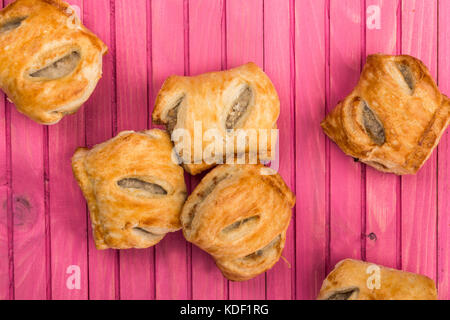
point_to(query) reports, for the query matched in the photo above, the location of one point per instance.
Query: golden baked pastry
(134, 190)
(394, 118)
(49, 62)
(239, 214)
(222, 103)
(358, 280)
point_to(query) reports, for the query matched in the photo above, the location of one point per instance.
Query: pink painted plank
(67, 206)
(381, 188)
(419, 33)
(205, 55)
(3, 158)
(278, 63)
(131, 46)
(28, 206)
(245, 42)
(99, 109)
(136, 266)
(172, 271)
(310, 102)
(345, 174)
(4, 259)
(444, 159)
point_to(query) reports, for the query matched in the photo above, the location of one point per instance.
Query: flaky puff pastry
(135, 191)
(394, 118)
(358, 280)
(49, 62)
(223, 103)
(239, 214)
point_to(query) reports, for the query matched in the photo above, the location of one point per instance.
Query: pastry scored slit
(260, 253)
(11, 24)
(407, 74)
(60, 68)
(240, 224)
(172, 115)
(145, 233)
(202, 196)
(143, 186)
(373, 125)
(239, 228)
(346, 294)
(240, 108)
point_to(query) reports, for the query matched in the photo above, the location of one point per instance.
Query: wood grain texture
(277, 64)
(245, 42)
(313, 51)
(345, 174)
(4, 257)
(103, 266)
(310, 103)
(67, 206)
(381, 189)
(205, 55)
(419, 208)
(136, 279)
(28, 208)
(169, 58)
(443, 170)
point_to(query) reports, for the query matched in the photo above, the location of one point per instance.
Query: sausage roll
(358, 280)
(239, 214)
(218, 109)
(394, 118)
(49, 62)
(134, 190)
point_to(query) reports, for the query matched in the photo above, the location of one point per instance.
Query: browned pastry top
(394, 118)
(356, 280)
(239, 214)
(49, 62)
(242, 98)
(134, 190)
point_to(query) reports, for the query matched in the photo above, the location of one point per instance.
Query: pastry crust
(134, 190)
(351, 279)
(241, 98)
(49, 62)
(394, 118)
(226, 217)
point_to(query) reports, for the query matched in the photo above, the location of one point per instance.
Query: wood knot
(372, 236)
(23, 215)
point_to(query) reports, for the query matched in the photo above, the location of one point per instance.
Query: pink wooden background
(313, 50)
